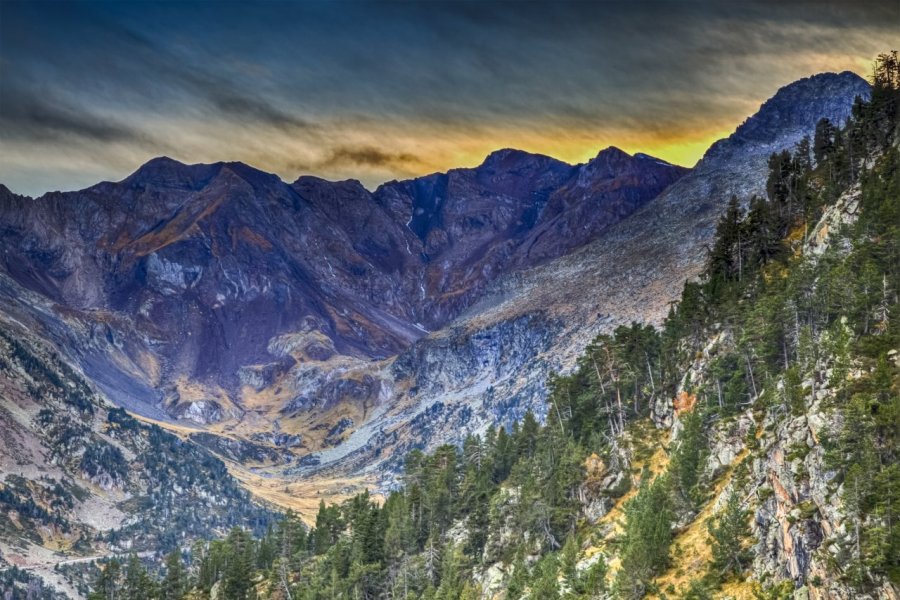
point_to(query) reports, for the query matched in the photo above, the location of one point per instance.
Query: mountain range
(317, 331)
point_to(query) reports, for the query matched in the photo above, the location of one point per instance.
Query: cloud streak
(26, 115)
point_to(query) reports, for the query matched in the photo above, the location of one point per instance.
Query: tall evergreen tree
(174, 584)
(238, 575)
(727, 532)
(106, 585)
(648, 533)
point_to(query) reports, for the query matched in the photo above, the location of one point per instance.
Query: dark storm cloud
(395, 87)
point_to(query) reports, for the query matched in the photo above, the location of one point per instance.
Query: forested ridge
(793, 321)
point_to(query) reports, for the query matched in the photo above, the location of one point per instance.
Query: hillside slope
(490, 364)
(82, 478)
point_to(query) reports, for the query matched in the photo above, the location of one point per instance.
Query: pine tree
(884, 105)
(764, 235)
(688, 457)
(107, 584)
(527, 436)
(545, 584)
(648, 533)
(727, 534)
(725, 261)
(823, 141)
(329, 526)
(137, 585)
(174, 584)
(518, 580)
(237, 580)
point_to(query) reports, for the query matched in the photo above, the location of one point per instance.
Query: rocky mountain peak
(5, 192)
(511, 159)
(613, 162)
(165, 172)
(793, 112)
(254, 177)
(801, 103)
(659, 161)
(611, 153)
(310, 182)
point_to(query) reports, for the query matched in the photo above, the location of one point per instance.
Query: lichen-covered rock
(726, 442)
(493, 580)
(799, 512)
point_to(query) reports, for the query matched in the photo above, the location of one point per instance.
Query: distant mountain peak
(160, 164)
(253, 176)
(512, 158)
(342, 191)
(642, 156)
(613, 161)
(612, 152)
(163, 171)
(792, 112)
(792, 102)
(163, 161)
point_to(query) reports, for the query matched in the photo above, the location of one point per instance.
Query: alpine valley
(622, 378)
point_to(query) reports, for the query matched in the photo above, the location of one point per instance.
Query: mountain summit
(792, 113)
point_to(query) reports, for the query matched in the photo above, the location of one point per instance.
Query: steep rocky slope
(491, 363)
(82, 478)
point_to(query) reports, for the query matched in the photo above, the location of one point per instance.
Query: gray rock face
(726, 444)
(799, 511)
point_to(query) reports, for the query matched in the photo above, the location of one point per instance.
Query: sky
(379, 90)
